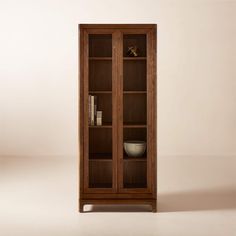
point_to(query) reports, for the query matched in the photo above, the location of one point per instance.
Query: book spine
(89, 109)
(99, 118)
(95, 109)
(92, 110)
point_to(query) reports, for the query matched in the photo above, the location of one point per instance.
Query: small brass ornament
(132, 51)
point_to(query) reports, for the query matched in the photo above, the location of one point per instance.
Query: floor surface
(196, 196)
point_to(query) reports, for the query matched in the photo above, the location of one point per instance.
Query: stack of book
(95, 116)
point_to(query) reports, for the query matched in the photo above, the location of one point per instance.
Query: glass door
(99, 164)
(134, 157)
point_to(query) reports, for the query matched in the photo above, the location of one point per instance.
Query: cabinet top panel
(117, 26)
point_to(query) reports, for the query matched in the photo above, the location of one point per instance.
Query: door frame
(84, 83)
(151, 113)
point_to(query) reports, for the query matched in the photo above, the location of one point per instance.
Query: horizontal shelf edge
(100, 126)
(101, 92)
(134, 58)
(135, 159)
(134, 91)
(134, 126)
(100, 58)
(102, 159)
(125, 92)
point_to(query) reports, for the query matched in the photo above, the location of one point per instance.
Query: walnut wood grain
(126, 89)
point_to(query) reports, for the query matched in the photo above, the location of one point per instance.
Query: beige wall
(39, 69)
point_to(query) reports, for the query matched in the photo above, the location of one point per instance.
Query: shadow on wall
(198, 200)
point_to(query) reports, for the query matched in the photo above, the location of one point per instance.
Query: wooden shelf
(125, 92)
(100, 58)
(100, 185)
(134, 158)
(100, 92)
(108, 125)
(135, 185)
(134, 58)
(100, 156)
(134, 92)
(100, 160)
(110, 58)
(128, 125)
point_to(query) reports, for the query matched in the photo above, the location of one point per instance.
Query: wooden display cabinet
(125, 88)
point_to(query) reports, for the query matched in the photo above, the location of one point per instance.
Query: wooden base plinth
(151, 202)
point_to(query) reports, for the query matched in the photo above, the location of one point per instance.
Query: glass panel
(134, 111)
(100, 62)
(100, 174)
(134, 74)
(100, 74)
(136, 41)
(135, 174)
(100, 111)
(135, 164)
(100, 45)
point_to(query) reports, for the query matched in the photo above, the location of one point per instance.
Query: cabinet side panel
(150, 110)
(155, 74)
(154, 166)
(85, 112)
(81, 108)
(151, 104)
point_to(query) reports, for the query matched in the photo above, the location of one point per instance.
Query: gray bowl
(135, 148)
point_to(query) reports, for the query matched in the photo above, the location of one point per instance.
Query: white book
(89, 109)
(99, 118)
(92, 110)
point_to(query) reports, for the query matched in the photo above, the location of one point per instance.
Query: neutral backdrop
(39, 68)
(39, 73)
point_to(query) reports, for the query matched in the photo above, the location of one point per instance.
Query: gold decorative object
(132, 51)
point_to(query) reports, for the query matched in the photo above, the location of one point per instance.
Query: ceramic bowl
(134, 148)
